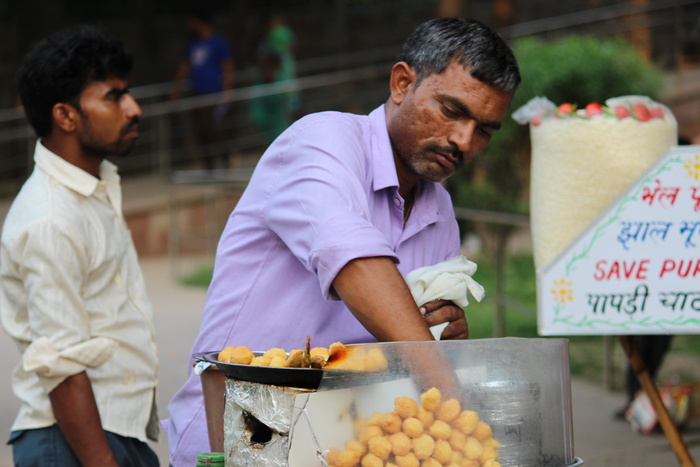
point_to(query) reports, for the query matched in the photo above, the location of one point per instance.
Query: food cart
(519, 388)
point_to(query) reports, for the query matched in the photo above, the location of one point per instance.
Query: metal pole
(164, 161)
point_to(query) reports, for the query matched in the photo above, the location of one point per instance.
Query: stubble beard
(428, 169)
(121, 147)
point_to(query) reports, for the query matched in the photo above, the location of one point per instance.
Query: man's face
(440, 126)
(109, 117)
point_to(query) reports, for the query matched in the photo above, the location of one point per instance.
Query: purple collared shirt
(324, 193)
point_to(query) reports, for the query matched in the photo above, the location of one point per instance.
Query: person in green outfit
(273, 113)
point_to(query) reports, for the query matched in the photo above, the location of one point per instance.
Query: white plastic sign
(636, 268)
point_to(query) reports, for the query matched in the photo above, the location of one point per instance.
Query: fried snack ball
(482, 431)
(320, 351)
(225, 354)
(492, 463)
(333, 456)
(442, 452)
(400, 444)
(412, 427)
(405, 407)
(425, 416)
(491, 442)
(391, 423)
(423, 446)
(489, 454)
(466, 421)
(261, 361)
(369, 432)
(275, 352)
(469, 463)
(278, 361)
(473, 448)
(430, 462)
(457, 440)
(241, 355)
(448, 411)
(379, 446)
(375, 360)
(358, 425)
(370, 460)
(430, 399)
(409, 460)
(457, 457)
(375, 419)
(391, 464)
(348, 458)
(440, 430)
(355, 445)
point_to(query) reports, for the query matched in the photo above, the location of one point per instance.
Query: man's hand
(443, 311)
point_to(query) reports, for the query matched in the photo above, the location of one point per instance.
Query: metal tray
(306, 378)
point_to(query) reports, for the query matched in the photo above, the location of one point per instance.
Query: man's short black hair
(59, 67)
(435, 44)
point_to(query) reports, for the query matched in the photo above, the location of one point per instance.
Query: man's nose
(131, 107)
(462, 136)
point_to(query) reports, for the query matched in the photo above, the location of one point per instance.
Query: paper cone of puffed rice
(583, 159)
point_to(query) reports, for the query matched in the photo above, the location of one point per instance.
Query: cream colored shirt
(73, 298)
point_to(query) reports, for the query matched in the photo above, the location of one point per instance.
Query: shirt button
(397, 201)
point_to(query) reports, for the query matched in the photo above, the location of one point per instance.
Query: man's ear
(402, 81)
(64, 116)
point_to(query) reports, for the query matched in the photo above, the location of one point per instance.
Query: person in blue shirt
(209, 67)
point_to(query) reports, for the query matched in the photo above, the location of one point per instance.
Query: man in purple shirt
(341, 207)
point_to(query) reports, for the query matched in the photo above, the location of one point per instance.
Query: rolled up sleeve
(52, 265)
(340, 240)
(319, 205)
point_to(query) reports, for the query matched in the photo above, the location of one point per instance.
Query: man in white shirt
(72, 295)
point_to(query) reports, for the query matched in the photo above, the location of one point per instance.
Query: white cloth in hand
(450, 280)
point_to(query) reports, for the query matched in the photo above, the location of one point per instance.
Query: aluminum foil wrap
(257, 420)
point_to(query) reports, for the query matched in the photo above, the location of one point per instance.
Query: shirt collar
(426, 205)
(71, 176)
(382, 153)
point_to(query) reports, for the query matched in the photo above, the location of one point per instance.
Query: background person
(208, 65)
(273, 113)
(341, 207)
(72, 295)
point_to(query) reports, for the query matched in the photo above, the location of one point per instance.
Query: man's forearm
(76, 413)
(376, 293)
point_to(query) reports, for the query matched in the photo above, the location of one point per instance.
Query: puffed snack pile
(433, 433)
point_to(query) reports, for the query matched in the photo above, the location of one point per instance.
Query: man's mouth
(131, 130)
(447, 160)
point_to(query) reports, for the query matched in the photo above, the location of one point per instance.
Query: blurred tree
(503, 13)
(577, 70)
(638, 24)
(448, 8)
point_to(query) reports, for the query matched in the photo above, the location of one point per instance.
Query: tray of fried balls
(431, 432)
(299, 368)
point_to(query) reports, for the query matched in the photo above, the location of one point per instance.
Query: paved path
(599, 440)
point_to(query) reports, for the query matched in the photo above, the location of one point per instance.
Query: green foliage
(577, 70)
(199, 278)
(582, 70)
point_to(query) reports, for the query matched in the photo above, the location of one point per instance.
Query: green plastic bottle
(210, 459)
